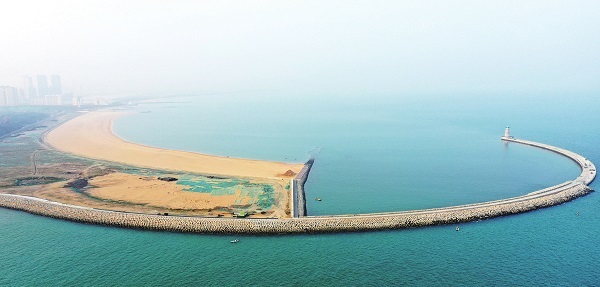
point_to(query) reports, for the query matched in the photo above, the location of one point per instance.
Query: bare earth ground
(128, 192)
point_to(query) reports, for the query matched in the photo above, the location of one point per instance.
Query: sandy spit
(90, 135)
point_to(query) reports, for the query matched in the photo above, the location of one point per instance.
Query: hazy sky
(319, 47)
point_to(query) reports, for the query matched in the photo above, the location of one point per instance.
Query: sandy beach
(90, 135)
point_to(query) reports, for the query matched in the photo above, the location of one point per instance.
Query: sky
(116, 48)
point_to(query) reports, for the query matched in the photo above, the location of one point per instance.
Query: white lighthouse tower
(507, 133)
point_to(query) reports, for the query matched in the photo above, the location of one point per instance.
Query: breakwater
(319, 224)
(298, 196)
(588, 169)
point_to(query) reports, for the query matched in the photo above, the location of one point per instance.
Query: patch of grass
(33, 180)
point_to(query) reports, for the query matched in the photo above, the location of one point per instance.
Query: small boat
(317, 199)
(457, 228)
(235, 241)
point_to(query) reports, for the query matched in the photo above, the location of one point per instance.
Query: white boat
(235, 241)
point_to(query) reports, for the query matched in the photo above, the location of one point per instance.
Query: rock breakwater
(318, 224)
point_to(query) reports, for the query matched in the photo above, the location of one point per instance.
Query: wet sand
(90, 135)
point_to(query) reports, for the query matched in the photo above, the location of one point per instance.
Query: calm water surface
(376, 154)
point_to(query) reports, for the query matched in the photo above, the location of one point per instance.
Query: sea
(373, 153)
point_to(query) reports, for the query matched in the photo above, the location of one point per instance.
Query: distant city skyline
(42, 91)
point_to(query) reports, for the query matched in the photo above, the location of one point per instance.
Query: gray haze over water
(337, 48)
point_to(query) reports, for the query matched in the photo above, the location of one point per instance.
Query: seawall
(320, 224)
(298, 195)
(588, 169)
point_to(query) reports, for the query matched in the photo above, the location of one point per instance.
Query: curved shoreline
(550, 196)
(90, 135)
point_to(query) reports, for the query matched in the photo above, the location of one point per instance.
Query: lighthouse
(507, 133)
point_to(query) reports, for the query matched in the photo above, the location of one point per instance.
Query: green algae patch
(262, 195)
(266, 198)
(206, 185)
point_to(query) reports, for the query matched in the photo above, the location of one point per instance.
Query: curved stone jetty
(588, 169)
(320, 224)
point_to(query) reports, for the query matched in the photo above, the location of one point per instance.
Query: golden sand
(90, 135)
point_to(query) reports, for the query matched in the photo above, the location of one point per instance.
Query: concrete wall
(298, 194)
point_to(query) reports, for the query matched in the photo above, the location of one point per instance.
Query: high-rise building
(29, 89)
(9, 96)
(42, 86)
(55, 86)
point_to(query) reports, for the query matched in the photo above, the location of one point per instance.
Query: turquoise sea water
(372, 154)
